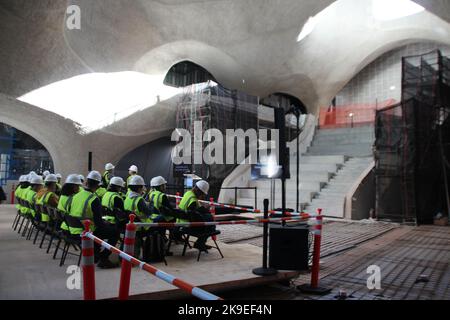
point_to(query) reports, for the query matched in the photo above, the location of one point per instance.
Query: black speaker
(288, 248)
(280, 124)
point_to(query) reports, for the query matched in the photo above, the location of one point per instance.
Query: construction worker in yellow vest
(113, 203)
(71, 187)
(19, 194)
(36, 184)
(158, 200)
(47, 196)
(135, 203)
(85, 205)
(108, 174)
(132, 171)
(190, 204)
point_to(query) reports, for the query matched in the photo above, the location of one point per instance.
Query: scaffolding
(412, 144)
(217, 108)
(7, 139)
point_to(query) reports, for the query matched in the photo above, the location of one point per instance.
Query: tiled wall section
(381, 80)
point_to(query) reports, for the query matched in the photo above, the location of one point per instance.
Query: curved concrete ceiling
(248, 45)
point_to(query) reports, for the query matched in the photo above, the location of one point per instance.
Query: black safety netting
(217, 108)
(413, 144)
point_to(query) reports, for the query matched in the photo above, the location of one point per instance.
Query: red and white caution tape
(230, 206)
(195, 291)
(218, 223)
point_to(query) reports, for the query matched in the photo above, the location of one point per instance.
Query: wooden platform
(27, 272)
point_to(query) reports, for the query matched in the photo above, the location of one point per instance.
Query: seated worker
(132, 172)
(71, 187)
(85, 205)
(159, 200)
(135, 203)
(113, 205)
(47, 196)
(37, 184)
(190, 204)
(108, 174)
(23, 185)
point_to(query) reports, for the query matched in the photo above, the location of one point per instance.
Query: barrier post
(212, 210)
(128, 248)
(265, 271)
(88, 264)
(314, 288)
(177, 200)
(13, 193)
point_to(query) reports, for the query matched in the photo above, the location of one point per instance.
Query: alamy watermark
(374, 280)
(73, 19)
(73, 281)
(233, 147)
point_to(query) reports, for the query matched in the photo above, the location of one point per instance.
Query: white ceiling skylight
(385, 10)
(96, 100)
(312, 22)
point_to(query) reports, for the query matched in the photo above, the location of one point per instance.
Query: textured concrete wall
(381, 80)
(247, 45)
(69, 147)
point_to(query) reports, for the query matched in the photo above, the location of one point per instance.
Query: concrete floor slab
(27, 272)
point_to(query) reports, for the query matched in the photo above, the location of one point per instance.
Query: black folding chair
(29, 218)
(47, 226)
(59, 233)
(71, 240)
(18, 215)
(189, 232)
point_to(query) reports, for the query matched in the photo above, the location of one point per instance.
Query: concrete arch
(221, 65)
(58, 135)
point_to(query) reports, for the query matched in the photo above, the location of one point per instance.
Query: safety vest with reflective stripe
(23, 194)
(100, 192)
(31, 199)
(131, 205)
(44, 201)
(156, 197)
(79, 206)
(62, 208)
(105, 177)
(188, 199)
(18, 195)
(108, 203)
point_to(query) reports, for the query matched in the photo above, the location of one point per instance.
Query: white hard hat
(203, 186)
(157, 181)
(109, 166)
(117, 181)
(36, 180)
(137, 181)
(46, 173)
(59, 175)
(81, 177)
(23, 178)
(51, 178)
(74, 179)
(31, 176)
(133, 168)
(95, 175)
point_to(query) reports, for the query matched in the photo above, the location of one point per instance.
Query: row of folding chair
(26, 225)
